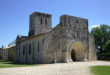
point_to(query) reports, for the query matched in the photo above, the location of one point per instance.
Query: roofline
(33, 36)
(41, 13)
(9, 47)
(73, 16)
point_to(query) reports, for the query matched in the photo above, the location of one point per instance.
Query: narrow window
(41, 21)
(29, 48)
(23, 49)
(45, 21)
(26, 53)
(33, 53)
(38, 46)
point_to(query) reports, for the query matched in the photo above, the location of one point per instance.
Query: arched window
(23, 49)
(29, 48)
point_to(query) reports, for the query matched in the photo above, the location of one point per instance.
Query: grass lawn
(10, 64)
(100, 70)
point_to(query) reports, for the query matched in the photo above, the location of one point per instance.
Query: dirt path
(75, 68)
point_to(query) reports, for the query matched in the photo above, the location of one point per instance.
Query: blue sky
(14, 14)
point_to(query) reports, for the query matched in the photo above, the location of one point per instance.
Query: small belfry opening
(73, 55)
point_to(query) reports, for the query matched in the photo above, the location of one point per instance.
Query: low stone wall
(92, 49)
(8, 53)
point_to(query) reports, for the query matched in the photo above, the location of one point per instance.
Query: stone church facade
(69, 41)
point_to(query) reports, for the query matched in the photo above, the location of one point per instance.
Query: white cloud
(93, 26)
(96, 25)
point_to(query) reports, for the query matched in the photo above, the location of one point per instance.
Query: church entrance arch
(73, 55)
(77, 51)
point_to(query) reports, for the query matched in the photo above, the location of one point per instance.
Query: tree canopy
(102, 37)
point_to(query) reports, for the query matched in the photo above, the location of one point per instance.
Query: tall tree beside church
(107, 46)
(96, 31)
(101, 35)
(105, 35)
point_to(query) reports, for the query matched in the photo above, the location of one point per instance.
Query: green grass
(10, 65)
(100, 70)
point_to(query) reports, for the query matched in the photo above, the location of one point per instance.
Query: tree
(107, 46)
(105, 34)
(98, 37)
(102, 35)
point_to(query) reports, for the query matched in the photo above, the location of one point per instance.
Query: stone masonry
(69, 41)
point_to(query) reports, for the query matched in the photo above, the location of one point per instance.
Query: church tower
(39, 23)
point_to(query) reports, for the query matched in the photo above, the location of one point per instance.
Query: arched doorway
(78, 51)
(73, 55)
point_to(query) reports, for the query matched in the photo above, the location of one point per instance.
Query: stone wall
(52, 47)
(39, 23)
(11, 53)
(59, 41)
(5, 54)
(68, 41)
(55, 45)
(76, 30)
(30, 50)
(92, 49)
(8, 53)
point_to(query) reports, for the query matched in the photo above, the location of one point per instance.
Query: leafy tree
(107, 46)
(98, 37)
(105, 34)
(102, 35)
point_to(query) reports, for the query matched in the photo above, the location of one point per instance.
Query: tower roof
(40, 14)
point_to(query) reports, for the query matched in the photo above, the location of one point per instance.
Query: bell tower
(39, 23)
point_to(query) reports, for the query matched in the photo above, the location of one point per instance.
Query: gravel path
(75, 68)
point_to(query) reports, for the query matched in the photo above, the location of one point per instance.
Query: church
(69, 41)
